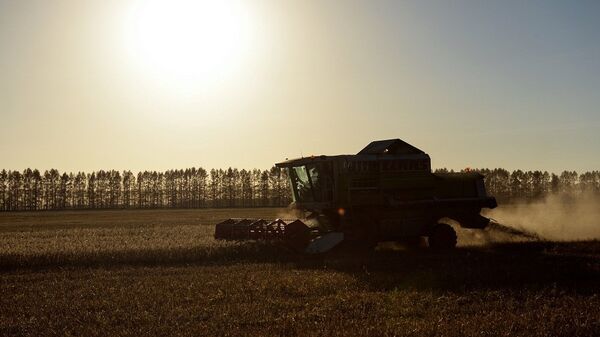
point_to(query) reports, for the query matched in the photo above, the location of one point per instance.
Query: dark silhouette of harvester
(386, 192)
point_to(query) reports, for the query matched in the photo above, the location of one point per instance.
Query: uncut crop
(116, 239)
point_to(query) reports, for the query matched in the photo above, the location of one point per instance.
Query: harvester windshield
(301, 184)
(312, 182)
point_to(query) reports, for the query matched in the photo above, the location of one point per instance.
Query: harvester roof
(394, 148)
(390, 146)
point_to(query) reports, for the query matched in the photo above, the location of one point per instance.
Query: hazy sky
(86, 85)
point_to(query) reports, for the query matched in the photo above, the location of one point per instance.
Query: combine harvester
(386, 192)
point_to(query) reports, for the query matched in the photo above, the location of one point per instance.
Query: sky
(156, 85)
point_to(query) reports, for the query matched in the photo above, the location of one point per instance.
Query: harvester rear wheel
(442, 237)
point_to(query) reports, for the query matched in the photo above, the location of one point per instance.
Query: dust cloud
(291, 213)
(559, 217)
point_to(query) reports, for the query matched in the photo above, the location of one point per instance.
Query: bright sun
(188, 42)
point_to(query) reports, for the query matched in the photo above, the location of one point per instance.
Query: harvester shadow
(571, 266)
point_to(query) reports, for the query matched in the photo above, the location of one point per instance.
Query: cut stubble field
(160, 273)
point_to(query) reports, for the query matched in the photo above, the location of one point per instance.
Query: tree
(246, 188)
(215, 188)
(278, 186)
(79, 188)
(517, 181)
(498, 183)
(568, 180)
(37, 190)
(539, 184)
(27, 189)
(587, 182)
(15, 181)
(128, 189)
(114, 181)
(265, 192)
(63, 191)
(3, 190)
(91, 190)
(554, 184)
(199, 188)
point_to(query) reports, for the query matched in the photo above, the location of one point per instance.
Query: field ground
(160, 273)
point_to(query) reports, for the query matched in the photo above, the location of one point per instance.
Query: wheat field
(160, 273)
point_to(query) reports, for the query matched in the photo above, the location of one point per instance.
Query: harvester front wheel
(442, 237)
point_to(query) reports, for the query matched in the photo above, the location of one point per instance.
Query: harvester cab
(386, 192)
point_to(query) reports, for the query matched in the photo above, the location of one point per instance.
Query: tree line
(526, 186)
(32, 190)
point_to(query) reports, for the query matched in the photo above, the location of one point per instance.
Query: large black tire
(442, 237)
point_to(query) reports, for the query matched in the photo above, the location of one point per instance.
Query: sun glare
(186, 42)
